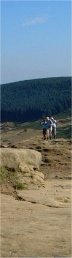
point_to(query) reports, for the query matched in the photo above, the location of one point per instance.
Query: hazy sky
(35, 39)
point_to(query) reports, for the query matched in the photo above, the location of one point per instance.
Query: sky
(35, 39)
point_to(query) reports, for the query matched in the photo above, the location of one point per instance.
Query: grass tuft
(11, 178)
(20, 186)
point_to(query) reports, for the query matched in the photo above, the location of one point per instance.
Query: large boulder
(26, 161)
(20, 158)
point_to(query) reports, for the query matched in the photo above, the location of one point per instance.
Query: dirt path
(39, 224)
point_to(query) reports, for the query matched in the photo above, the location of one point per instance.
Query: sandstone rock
(26, 169)
(26, 180)
(25, 161)
(17, 158)
(39, 174)
(37, 178)
(4, 146)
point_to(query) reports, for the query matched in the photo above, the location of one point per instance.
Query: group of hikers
(49, 127)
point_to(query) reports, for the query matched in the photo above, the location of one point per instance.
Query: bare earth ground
(36, 222)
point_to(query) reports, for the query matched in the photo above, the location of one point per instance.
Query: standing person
(44, 126)
(49, 128)
(54, 123)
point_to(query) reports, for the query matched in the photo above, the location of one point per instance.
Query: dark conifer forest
(31, 99)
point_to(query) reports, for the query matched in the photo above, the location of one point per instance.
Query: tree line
(31, 99)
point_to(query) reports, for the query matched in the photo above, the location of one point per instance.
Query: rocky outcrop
(24, 161)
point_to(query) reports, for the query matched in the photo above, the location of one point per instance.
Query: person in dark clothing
(44, 127)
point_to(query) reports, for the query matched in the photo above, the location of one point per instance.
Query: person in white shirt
(49, 128)
(54, 124)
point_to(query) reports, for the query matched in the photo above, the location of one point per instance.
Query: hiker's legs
(55, 133)
(44, 134)
(47, 133)
(50, 132)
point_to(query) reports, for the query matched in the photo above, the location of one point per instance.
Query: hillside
(30, 100)
(35, 181)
